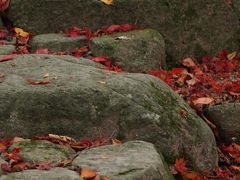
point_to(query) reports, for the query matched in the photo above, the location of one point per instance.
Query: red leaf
(180, 166)
(80, 51)
(112, 28)
(4, 4)
(7, 57)
(178, 70)
(14, 155)
(33, 82)
(42, 51)
(74, 32)
(103, 60)
(44, 166)
(5, 143)
(3, 34)
(21, 166)
(100, 59)
(116, 28)
(223, 54)
(127, 27)
(6, 167)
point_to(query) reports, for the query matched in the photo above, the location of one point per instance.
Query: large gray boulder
(84, 101)
(227, 118)
(134, 160)
(134, 51)
(52, 174)
(190, 27)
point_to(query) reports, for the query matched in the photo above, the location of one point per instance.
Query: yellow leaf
(108, 2)
(21, 32)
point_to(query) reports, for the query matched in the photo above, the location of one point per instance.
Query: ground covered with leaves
(202, 83)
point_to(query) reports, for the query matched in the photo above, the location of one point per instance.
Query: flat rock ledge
(52, 174)
(134, 160)
(56, 42)
(43, 151)
(134, 51)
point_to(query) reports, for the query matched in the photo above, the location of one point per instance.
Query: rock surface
(43, 151)
(227, 118)
(134, 160)
(84, 101)
(56, 42)
(134, 51)
(52, 174)
(190, 27)
(6, 49)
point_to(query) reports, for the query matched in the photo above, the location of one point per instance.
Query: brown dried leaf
(203, 100)
(116, 141)
(232, 55)
(62, 138)
(33, 82)
(19, 139)
(87, 173)
(102, 82)
(188, 62)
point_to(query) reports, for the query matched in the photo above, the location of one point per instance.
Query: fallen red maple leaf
(7, 57)
(21, 166)
(103, 60)
(116, 28)
(80, 51)
(6, 167)
(5, 143)
(42, 51)
(4, 5)
(14, 155)
(3, 34)
(44, 165)
(180, 166)
(34, 82)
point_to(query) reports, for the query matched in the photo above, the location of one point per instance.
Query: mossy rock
(81, 100)
(43, 151)
(134, 51)
(56, 42)
(133, 160)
